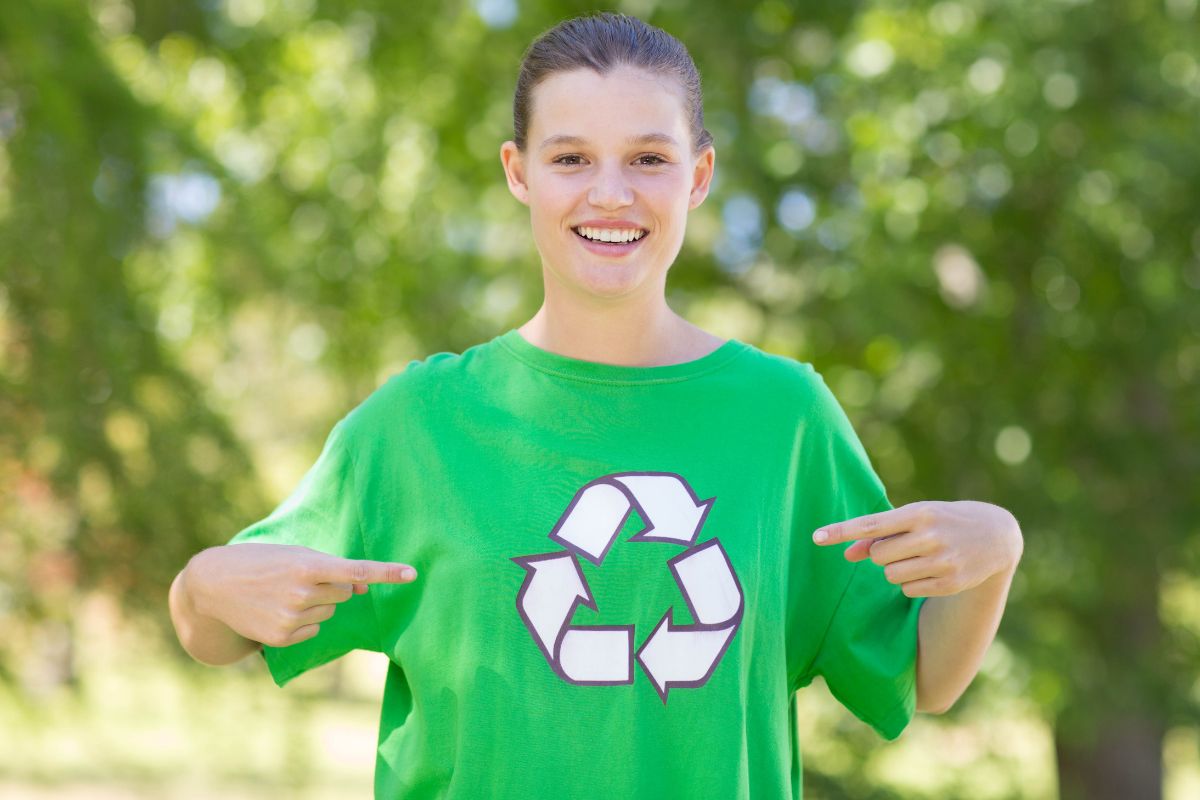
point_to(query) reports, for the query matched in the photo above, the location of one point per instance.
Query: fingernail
(820, 536)
(408, 574)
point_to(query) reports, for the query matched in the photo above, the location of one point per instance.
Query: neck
(627, 334)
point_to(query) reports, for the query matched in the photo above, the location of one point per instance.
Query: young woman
(612, 510)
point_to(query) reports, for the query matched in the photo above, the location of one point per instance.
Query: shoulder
(423, 383)
(797, 380)
(792, 390)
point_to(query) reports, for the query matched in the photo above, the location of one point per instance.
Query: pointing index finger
(870, 526)
(350, 570)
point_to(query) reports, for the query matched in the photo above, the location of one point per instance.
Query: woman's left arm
(961, 556)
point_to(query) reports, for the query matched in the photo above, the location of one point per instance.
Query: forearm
(205, 638)
(954, 633)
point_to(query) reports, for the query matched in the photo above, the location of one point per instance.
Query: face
(606, 175)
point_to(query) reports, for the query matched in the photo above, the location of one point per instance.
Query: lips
(610, 223)
(610, 249)
(579, 232)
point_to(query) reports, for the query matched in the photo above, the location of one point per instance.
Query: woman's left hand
(933, 548)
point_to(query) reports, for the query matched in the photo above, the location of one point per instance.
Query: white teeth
(610, 235)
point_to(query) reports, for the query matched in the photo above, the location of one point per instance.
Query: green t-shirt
(618, 592)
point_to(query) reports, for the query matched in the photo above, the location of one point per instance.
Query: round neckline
(596, 371)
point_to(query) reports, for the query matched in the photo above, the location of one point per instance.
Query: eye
(654, 160)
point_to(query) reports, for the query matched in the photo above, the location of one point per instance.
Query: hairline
(604, 42)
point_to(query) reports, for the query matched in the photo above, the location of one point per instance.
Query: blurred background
(224, 223)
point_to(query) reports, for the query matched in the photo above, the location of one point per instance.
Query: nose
(610, 188)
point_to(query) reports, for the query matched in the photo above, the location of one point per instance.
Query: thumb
(860, 550)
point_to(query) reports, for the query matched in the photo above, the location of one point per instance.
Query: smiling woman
(621, 158)
(626, 186)
(606, 462)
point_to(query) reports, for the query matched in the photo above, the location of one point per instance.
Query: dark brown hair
(602, 42)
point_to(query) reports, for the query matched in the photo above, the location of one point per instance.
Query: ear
(514, 171)
(702, 176)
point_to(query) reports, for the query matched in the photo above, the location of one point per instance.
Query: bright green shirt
(618, 592)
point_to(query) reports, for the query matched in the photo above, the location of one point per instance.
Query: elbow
(933, 705)
(222, 660)
(927, 709)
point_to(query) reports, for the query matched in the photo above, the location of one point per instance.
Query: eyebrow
(645, 138)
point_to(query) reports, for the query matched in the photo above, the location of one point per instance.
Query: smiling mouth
(612, 245)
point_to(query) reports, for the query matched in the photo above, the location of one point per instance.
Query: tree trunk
(1122, 760)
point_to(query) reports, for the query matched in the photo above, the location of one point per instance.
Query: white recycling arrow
(676, 656)
(598, 511)
(686, 655)
(596, 655)
(602, 655)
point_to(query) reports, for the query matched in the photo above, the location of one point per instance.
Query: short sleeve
(867, 646)
(321, 513)
(869, 655)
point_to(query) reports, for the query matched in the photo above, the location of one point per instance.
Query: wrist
(1001, 579)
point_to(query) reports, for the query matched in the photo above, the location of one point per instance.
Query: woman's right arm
(231, 597)
(205, 638)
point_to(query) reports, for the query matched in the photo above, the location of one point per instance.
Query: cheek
(546, 212)
(554, 202)
(669, 197)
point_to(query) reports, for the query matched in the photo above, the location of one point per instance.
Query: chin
(611, 280)
(595, 284)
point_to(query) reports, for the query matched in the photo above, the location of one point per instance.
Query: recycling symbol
(672, 656)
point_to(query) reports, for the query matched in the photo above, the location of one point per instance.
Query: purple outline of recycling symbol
(672, 656)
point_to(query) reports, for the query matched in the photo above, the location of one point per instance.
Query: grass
(147, 722)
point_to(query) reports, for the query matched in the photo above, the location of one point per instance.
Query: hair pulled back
(602, 42)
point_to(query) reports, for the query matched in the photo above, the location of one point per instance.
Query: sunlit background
(224, 223)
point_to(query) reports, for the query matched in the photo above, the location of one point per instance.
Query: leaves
(222, 225)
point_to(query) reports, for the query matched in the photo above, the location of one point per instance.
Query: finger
(895, 547)
(356, 588)
(859, 551)
(301, 634)
(926, 587)
(911, 569)
(315, 614)
(871, 526)
(330, 593)
(868, 548)
(348, 570)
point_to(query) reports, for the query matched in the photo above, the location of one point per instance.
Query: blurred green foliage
(223, 223)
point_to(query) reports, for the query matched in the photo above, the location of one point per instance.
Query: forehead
(624, 103)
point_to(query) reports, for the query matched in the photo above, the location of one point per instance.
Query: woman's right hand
(278, 594)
